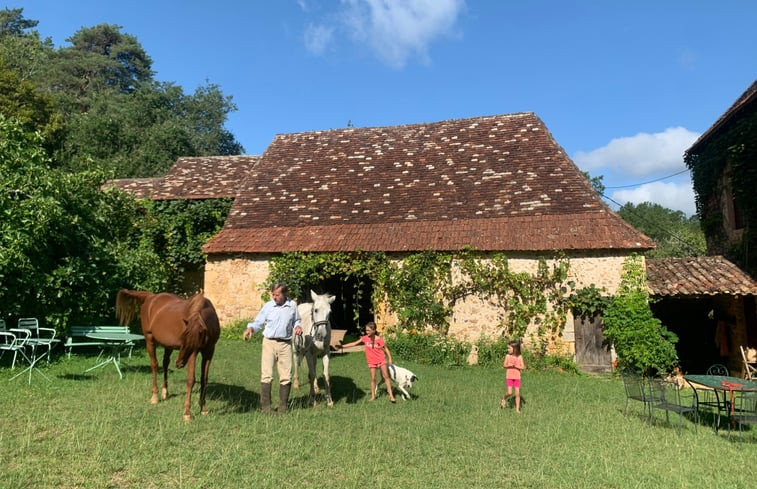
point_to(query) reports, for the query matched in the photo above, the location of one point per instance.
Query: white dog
(402, 377)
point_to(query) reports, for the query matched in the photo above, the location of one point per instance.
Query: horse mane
(128, 303)
(195, 334)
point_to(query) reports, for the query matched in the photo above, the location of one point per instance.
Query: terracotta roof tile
(495, 182)
(193, 178)
(694, 276)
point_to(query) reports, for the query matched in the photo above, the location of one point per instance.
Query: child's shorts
(513, 383)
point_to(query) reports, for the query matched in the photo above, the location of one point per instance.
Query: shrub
(640, 340)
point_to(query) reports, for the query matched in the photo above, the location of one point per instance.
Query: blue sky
(625, 87)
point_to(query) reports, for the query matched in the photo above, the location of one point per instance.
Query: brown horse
(190, 326)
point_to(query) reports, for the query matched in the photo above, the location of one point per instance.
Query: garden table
(724, 386)
(117, 342)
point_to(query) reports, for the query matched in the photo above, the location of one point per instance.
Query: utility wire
(651, 181)
(686, 244)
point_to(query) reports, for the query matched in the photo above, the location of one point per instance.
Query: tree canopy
(674, 233)
(104, 107)
(70, 119)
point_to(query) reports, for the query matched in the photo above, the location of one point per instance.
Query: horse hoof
(187, 417)
(330, 404)
(205, 412)
(154, 400)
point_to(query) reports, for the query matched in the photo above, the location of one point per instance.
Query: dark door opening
(689, 320)
(349, 293)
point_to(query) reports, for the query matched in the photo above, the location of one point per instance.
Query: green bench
(77, 336)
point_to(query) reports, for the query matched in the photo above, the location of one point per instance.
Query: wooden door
(592, 350)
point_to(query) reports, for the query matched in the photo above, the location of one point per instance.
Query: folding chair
(13, 340)
(750, 367)
(39, 336)
(35, 337)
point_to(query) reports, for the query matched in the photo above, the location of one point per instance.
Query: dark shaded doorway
(689, 319)
(350, 296)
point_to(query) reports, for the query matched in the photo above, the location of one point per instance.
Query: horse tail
(128, 303)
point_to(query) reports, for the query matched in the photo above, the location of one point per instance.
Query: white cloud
(318, 38)
(641, 155)
(394, 29)
(676, 196)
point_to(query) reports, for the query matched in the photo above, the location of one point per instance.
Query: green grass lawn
(96, 431)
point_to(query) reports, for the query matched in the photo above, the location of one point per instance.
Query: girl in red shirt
(374, 355)
(514, 365)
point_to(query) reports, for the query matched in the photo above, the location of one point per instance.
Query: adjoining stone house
(715, 317)
(722, 163)
(497, 184)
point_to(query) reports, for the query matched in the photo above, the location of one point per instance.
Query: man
(278, 319)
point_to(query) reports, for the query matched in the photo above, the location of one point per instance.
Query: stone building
(496, 183)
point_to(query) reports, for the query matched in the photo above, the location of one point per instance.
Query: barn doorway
(592, 349)
(351, 296)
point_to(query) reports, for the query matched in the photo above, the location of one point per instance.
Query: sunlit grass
(96, 431)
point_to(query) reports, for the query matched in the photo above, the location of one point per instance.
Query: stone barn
(495, 183)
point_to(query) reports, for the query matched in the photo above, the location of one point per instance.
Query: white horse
(314, 342)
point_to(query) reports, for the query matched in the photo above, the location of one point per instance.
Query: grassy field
(96, 431)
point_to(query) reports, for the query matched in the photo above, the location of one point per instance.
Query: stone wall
(234, 286)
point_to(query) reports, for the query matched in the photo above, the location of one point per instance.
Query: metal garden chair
(718, 369)
(637, 390)
(13, 340)
(744, 412)
(672, 398)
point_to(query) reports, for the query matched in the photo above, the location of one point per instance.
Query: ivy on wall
(421, 291)
(736, 146)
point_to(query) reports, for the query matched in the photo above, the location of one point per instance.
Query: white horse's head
(320, 314)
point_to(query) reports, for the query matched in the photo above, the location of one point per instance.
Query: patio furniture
(36, 339)
(117, 342)
(13, 340)
(750, 367)
(725, 389)
(637, 390)
(44, 337)
(673, 398)
(744, 412)
(718, 369)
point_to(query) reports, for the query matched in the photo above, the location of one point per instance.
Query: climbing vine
(421, 291)
(737, 146)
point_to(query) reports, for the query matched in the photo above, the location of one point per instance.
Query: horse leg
(150, 346)
(190, 385)
(204, 381)
(166, 361)
(312, 379)
(327, 380)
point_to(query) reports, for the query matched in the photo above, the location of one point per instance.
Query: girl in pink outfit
(374, 355)
(514, 365)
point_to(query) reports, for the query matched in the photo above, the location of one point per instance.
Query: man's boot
(284, 398)
(265, 397)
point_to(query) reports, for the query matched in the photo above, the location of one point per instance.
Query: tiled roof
(694, 276)
(495, 183)
(193, 178)
(749, 96)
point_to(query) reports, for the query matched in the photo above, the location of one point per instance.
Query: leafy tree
(596, 182)
(640, 340)
(101, 58)
(66, 247)
(674, 233)
(21, 100)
